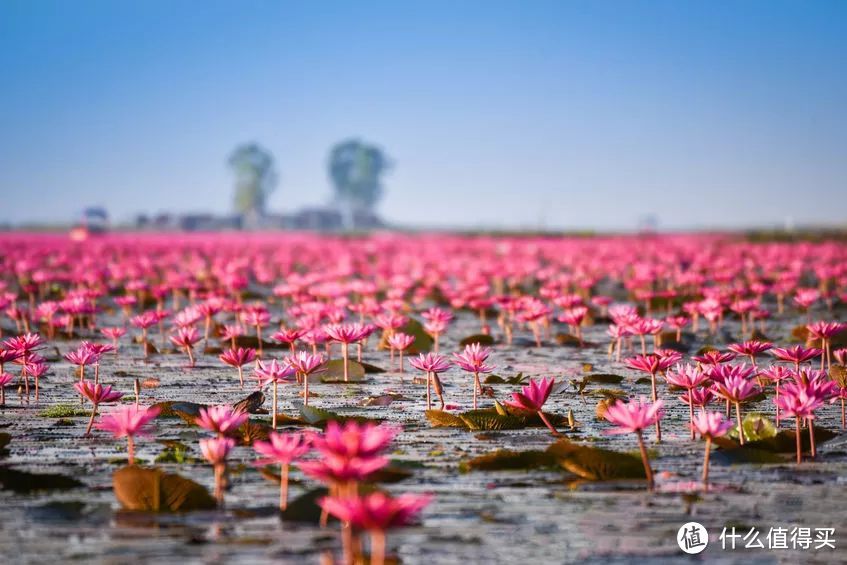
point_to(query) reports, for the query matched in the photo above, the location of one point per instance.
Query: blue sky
(515, 114)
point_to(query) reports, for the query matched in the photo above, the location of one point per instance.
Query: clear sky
(567, 113)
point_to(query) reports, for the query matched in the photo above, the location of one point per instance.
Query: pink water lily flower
(472, 360)
(275, 373)
(97, 394)
(687, 377)
(5, 379)
(432, 364)
(282, 449)
(400, 342)
(825, 331)
(800, 401)
(81, 357)
(652, 364)
(215, 451)
(709, 425)
(376, 513)
(352, 439)
(338, 470)
(185, 338)
(736, 389)
(221, 419)
(238, 357)
(288, 336)
(532, 398)
(128, 421)
(633, 417)
(751, 348)
(306, 365)
(713, 357)
(346, 334)
(796, 354)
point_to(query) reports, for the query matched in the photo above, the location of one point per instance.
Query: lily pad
(838, 373)
(305, 509)
(250, 341)
(604, 378)
(390, 474)
(319, 417)
(567, 339)
(602, 405)
(785, 441)
(596, 464)
(423, 341)
(489, 420)
(313, 415)
(24, 482)
(506, 459)
(756, 427)
(253, 431)
(187, 411)
(371, 369)
(442, 419)
(175, 453)
(138, 488)
(745, 454)
(334, 372)
(482, 339)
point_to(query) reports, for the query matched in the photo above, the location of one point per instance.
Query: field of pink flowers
(304, 398)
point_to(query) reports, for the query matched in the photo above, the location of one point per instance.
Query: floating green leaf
(488, 420)
(24, 482)
(756, 427)
(567, 339)
(64, 411)
(442, 419)
(596, 464)
(305, 508)
(138, 488)
(604, 378)
(423, 341)
(745, 454)
(505, 459)
(313, 415)
(482, 339)
(334, 372)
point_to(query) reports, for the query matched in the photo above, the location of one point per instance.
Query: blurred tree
(255, 179)
(355, 169)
